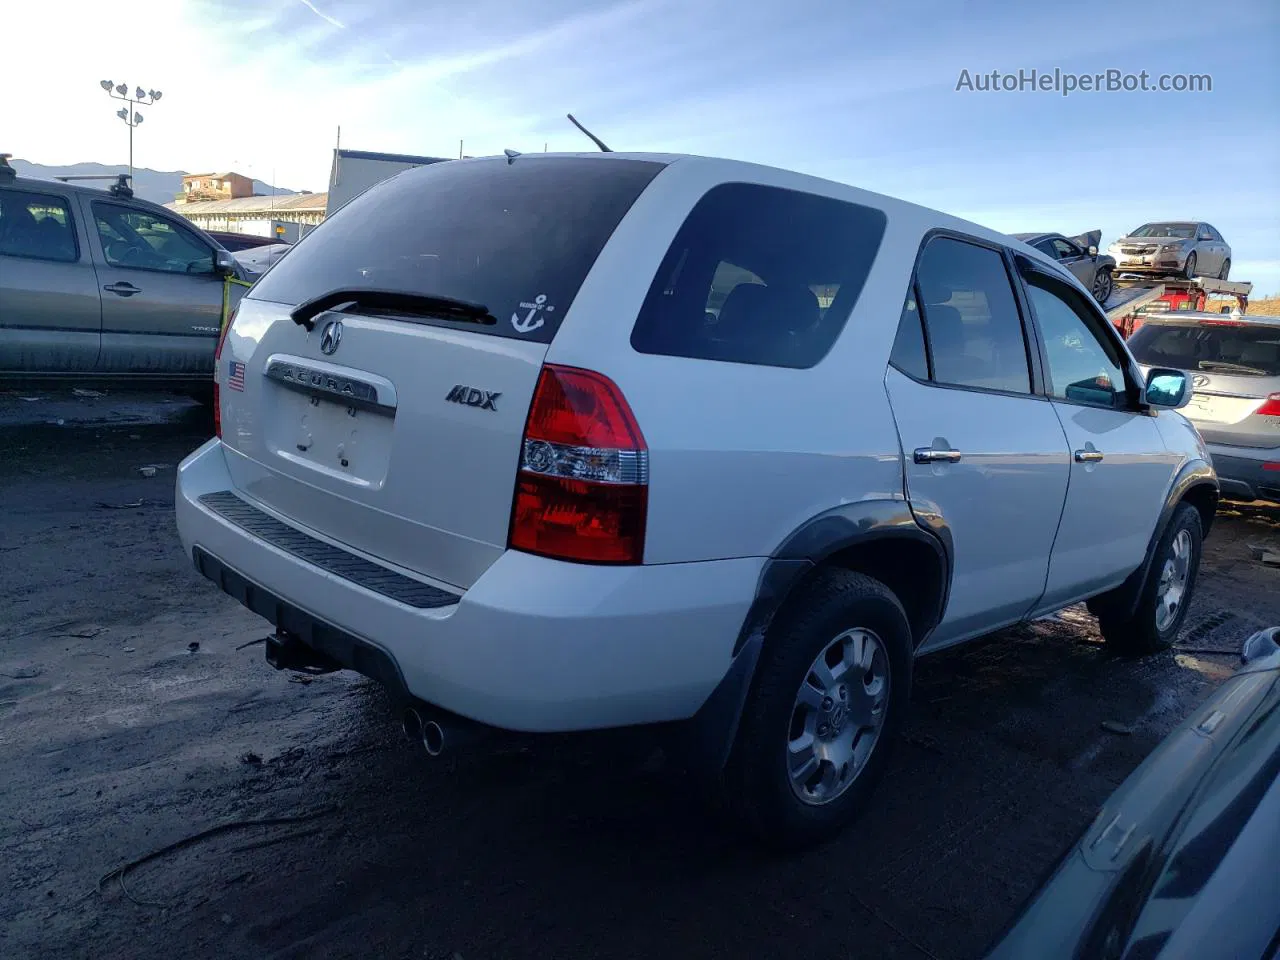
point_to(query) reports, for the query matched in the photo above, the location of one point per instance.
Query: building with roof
(355, 171)
(286, 217)
(214, 186)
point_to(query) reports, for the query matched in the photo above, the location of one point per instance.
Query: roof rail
(120, 188)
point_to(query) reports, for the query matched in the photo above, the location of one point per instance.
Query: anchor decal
(531, 321)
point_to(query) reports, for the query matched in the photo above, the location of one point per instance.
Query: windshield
(1239, 350)
(1184, 231)
(517, 237)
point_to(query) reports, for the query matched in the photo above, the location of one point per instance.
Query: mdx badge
(471, 397)
(331, 337)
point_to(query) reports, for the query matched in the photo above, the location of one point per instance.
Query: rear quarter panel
(742, 455)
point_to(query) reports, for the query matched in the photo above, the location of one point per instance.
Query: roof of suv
(725, 171)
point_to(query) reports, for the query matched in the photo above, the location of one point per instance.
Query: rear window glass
(517, 237)
(1248, 351)
(759, 275)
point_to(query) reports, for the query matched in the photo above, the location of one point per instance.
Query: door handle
(1088, 456)
(931, 455)
(122, 289)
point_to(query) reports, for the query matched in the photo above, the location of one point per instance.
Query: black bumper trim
(361, 572)
(345, 649)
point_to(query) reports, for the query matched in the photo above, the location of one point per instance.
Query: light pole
(131, 117)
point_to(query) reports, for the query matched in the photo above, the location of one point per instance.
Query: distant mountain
(158, 186)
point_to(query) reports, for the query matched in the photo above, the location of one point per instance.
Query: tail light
(582, 492)
(1271, 406)
(217, 357)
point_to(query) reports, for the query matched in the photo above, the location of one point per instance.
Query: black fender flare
(1123, 600)
(714, 727)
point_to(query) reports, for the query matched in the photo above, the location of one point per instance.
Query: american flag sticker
(236, 380)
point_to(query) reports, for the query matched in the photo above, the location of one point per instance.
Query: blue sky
(856, 92)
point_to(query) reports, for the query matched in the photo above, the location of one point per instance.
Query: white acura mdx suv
(564, 442)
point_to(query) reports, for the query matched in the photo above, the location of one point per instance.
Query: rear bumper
(534, 645)
(1242, 474)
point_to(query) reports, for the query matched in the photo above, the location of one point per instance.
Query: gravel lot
(133, 716)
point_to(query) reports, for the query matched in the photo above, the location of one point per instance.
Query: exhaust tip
(433, 738)
(411, 724)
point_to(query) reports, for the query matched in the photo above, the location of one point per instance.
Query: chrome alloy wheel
(837, 717)
(1171, 591)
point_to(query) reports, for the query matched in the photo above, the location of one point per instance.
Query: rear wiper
(1232, 367)
(402, 301)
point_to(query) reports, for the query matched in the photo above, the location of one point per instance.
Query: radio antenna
(594, 139)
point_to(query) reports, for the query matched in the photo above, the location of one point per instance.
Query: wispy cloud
(322, 15)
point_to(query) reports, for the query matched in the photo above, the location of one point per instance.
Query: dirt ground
(135, 711)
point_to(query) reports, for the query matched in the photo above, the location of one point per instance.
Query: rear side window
(1236, 350)
(971, 317)
(36, 226)
(759, 275)
(518, 237)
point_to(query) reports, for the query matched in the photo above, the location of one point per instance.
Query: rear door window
(971, 317)
(1236, 350)
(517, 237)
(759, 275)
(37, 226)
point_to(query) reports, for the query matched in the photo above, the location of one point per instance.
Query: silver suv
(562, 442)
(97, 285)
(1234, 361)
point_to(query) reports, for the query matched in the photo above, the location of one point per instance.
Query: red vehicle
(1135, 299)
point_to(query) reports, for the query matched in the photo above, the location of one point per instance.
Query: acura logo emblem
(1200, 380)
(331, 337)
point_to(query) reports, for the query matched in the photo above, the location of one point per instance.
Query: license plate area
(1215, 409)
(318, 428)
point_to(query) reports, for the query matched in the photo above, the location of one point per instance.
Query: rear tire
(1166, 595)
(841, 731)
(1226, 269)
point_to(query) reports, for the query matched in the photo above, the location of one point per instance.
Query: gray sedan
(1185, 248)
(1234, 363)
(1078, 255)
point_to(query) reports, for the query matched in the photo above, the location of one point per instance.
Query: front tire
(828, 701)
(1189, 269)
(1166, 595)
(1103, 284)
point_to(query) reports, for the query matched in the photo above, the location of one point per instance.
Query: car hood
(256, 260)
(1154, 240)
(1087, 240)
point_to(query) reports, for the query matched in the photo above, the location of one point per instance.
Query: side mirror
(1093, 250)
(224, 264)
(1168, 388)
